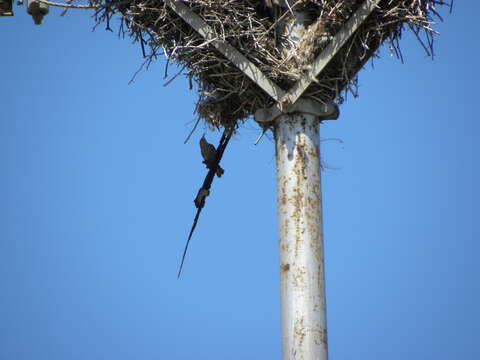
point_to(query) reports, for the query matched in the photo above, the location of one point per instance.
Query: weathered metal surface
(301, 237)
(322, 111)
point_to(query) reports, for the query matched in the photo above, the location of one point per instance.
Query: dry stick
(227, 134)
(71, 6)
(66, 9)
(278, 20)
(192, 131)
(138, 71)
(175, 76)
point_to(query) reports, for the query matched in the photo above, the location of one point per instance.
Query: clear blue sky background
(96, 193)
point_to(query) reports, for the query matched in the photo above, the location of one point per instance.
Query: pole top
(324, 111)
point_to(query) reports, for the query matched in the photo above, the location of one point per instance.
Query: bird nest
(259, 30)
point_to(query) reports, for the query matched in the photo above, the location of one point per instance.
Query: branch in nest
(72, 6)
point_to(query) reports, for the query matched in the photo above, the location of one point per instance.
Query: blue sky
(96, 194)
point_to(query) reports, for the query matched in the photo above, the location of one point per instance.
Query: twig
(175, 76)
(193, 130)
(71, 6)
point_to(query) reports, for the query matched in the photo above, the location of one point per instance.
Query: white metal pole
(299, 198)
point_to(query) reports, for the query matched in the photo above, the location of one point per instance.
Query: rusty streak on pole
(299, 204)
(299, 200)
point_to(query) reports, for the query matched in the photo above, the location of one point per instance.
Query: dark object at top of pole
(6, 8)
(37, 9)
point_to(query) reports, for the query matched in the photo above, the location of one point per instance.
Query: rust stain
(321, 338)
(304, 122)
(300, 331)
(298, 278)
(298, 194)
(324, 338)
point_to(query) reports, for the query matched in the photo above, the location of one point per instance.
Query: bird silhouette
(209, 153)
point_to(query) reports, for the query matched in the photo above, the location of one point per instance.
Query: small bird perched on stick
(209, 153)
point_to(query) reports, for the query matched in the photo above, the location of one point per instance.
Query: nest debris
(226, 95)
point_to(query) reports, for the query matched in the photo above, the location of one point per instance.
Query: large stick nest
(226, 95)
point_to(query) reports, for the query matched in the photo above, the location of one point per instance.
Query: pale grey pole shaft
(299, 197)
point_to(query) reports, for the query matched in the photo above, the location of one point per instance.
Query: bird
(209, 154)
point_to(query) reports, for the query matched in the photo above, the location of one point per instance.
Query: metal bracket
(305, 106)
